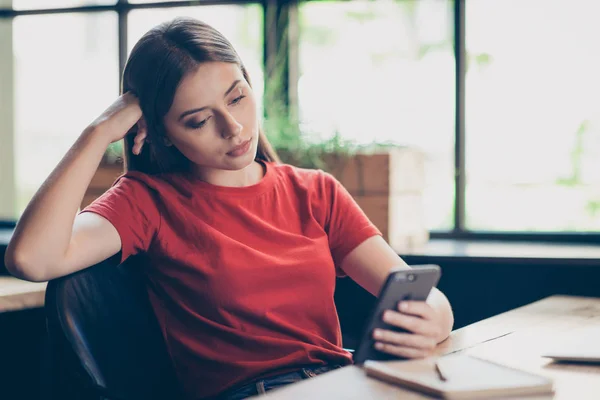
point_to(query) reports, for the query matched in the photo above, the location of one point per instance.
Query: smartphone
(401, 284)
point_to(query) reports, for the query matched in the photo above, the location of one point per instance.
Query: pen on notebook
(440, 372)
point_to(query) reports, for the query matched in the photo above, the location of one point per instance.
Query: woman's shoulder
(163, 184)
(136, 179)
(298, 174)
(314, 180)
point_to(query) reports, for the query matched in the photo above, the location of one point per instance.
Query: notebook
(466, 377)
(582, 345)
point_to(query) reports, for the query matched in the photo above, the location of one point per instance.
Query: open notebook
(466, 377)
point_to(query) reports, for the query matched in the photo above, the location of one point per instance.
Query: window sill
(475, 251)
(506, 252)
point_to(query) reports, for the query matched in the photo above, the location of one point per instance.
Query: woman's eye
(197, 125)
(237, 99)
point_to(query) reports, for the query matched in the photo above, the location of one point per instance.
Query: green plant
(294, 145)
(293, 142)
(577, 154)
(300, 148)
(307, 149)
(114, 153)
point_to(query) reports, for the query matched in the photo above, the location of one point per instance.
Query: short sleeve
(346, 224)
(130, 207)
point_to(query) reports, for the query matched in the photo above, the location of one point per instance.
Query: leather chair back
(104, 336)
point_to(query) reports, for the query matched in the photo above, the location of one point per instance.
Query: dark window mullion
(459, 145)
(11, 13)
(123, 13)
(276, 24)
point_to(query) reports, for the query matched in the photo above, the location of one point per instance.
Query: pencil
(441, 375)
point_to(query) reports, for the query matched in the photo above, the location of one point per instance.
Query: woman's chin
(241, 162)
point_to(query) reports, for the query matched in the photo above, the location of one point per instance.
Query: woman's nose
(231, 126)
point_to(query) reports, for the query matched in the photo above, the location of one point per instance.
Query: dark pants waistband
(263, 385)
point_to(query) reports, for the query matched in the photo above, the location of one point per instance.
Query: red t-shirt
(241, 278)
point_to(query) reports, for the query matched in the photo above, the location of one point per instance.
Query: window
(533, 115)
(525, 146)
(37, 4)
(384, 71)
(65, 74)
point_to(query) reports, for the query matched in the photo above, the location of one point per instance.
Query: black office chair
(104, 339)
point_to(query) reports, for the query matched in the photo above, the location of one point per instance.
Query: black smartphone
(401, 284)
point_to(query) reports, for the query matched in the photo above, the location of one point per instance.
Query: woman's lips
(240, 149)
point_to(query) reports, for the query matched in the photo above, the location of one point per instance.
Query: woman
(244, 251)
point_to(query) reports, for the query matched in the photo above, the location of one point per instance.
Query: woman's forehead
(207, 84)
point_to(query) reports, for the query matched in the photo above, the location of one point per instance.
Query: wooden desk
(16, 294)
(514, 338)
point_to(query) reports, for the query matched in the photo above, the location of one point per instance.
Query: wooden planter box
(389, 188)
(103, 179)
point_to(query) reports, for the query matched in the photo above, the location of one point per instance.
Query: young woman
(244, 250)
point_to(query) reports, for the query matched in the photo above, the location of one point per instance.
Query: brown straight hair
(154, 69)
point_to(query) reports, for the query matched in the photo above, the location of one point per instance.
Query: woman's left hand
(424, 326)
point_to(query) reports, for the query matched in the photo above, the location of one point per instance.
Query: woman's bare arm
(50, 239)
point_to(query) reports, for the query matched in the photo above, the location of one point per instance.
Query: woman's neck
(248, 176)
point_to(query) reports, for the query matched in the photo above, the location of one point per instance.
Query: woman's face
(213, 119)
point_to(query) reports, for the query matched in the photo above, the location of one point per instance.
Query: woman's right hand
(120, 118)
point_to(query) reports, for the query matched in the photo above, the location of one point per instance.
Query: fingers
(138, 142)
(401, 351)
(418, 325)
(405, 339)
(420, 321)
(417, 308)
(139, 137)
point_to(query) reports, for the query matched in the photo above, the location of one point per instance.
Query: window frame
(280, 18)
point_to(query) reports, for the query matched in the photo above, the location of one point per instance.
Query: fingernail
(386, 316)
(379, 346)
(403, 306)
(377, 333)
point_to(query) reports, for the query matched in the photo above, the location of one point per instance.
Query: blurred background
(500, 97)
(384, 71)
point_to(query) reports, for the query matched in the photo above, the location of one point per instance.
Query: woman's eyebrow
(195, 110)
(233, 85)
